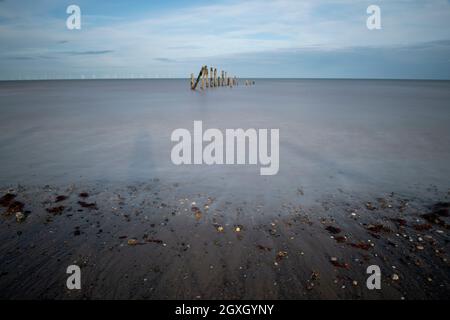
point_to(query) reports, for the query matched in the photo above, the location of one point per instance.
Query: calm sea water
(356, 135)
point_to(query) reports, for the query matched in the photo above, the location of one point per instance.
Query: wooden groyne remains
(209, 78)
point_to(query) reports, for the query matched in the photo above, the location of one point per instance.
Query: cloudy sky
(172, 38)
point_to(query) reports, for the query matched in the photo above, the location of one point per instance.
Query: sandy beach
(363, 180)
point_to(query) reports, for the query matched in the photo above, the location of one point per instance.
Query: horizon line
(239, 78)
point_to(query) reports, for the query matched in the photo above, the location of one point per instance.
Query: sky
(247, 38)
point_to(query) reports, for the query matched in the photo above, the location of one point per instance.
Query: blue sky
(172, 38)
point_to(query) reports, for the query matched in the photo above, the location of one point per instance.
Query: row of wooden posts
(210, 79)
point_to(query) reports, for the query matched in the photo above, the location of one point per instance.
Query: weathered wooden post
(199, 78)
(211, 77)
(215, 77)
(222, 79)
(192, 80)
(203, 78)
(206, 76)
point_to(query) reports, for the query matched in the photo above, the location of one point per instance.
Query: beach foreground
(86, 179)
(157, 241)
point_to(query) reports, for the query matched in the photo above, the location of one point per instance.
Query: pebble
(20, 217)
(132, 242)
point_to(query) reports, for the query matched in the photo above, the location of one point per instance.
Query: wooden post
(199, 78)
(206, 76)
(222, 81)
(203, 78)
(215, 77)
(211, 77)
(192, 80)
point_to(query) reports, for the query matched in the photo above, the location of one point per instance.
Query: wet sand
(361, 182)
(158, 241)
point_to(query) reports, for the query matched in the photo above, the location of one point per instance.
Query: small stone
(281, 255)
(419, 247)
(395, 277)
(132, 242)
(20, 217)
